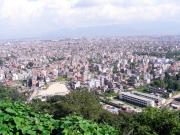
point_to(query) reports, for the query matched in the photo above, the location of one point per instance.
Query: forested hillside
(79, 113)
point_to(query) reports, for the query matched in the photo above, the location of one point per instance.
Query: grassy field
(143, 89)
(62, 79)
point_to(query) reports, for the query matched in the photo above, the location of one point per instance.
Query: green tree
(75, 125)
(80, 102)
(159, 83)
(172, 82)
(158, 121)
(42, 106)
(124, 122)
(1, 62)
(177, 85)
(151, 121)
(10, 93)
(142, 88)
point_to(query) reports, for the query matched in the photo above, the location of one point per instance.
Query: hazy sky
(56, 18)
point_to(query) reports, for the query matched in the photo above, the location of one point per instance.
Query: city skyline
(90, 18)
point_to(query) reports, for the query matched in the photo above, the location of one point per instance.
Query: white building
(91, 83)
(77, 84)
(97, 83)
(2, 76)
(94, 83)
(15, 77)
(102, 81)
(158, 100)
(130, 97)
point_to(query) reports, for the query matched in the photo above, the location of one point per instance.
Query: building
(94, 83)
(2, 77)
(77, 85)
(132, 98)
(158, 100)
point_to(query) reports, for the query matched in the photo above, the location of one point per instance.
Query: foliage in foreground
(159, 121)
(151, 121)
(76, 125)
(18, 118)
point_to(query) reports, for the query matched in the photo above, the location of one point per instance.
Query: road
(168, 101)
(34, 94)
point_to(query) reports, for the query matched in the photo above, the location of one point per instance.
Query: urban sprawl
(127, 73)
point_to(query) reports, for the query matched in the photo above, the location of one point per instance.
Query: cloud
(74, 12)
(53, 14)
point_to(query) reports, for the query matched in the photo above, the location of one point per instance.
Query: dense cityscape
(89, 67)
(127, 67)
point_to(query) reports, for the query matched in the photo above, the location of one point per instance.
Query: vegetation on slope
(75, 125)
(169, 82)
(20, 119)
(152, 121)
(10, 93)
(80, 102)
(65, 116)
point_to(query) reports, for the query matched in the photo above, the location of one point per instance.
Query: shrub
(18, 118)
(75, 125)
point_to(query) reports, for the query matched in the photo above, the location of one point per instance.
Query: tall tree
(81, 102)
(10, 93)
(1, 62)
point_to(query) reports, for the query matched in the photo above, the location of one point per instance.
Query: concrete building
(158, 100)
(2, 76)
(77, 84)
(132, 98)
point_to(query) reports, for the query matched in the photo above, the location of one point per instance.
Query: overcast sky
(56, 18)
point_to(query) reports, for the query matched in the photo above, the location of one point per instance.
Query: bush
(80, 102)
(160, 121)
(11, 94)
(151, 121)
(75, 125)
(18, 118)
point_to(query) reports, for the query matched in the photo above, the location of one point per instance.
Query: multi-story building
(158, 100)
(141, 101)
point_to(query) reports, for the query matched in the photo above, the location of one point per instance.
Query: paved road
(168, 101)
(34, 94)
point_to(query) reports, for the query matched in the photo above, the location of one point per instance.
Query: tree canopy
(65, 115)
(76, 125)
(160, 121)
(10, 93)
(169, 82)
(81, 102)
(151, 121)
